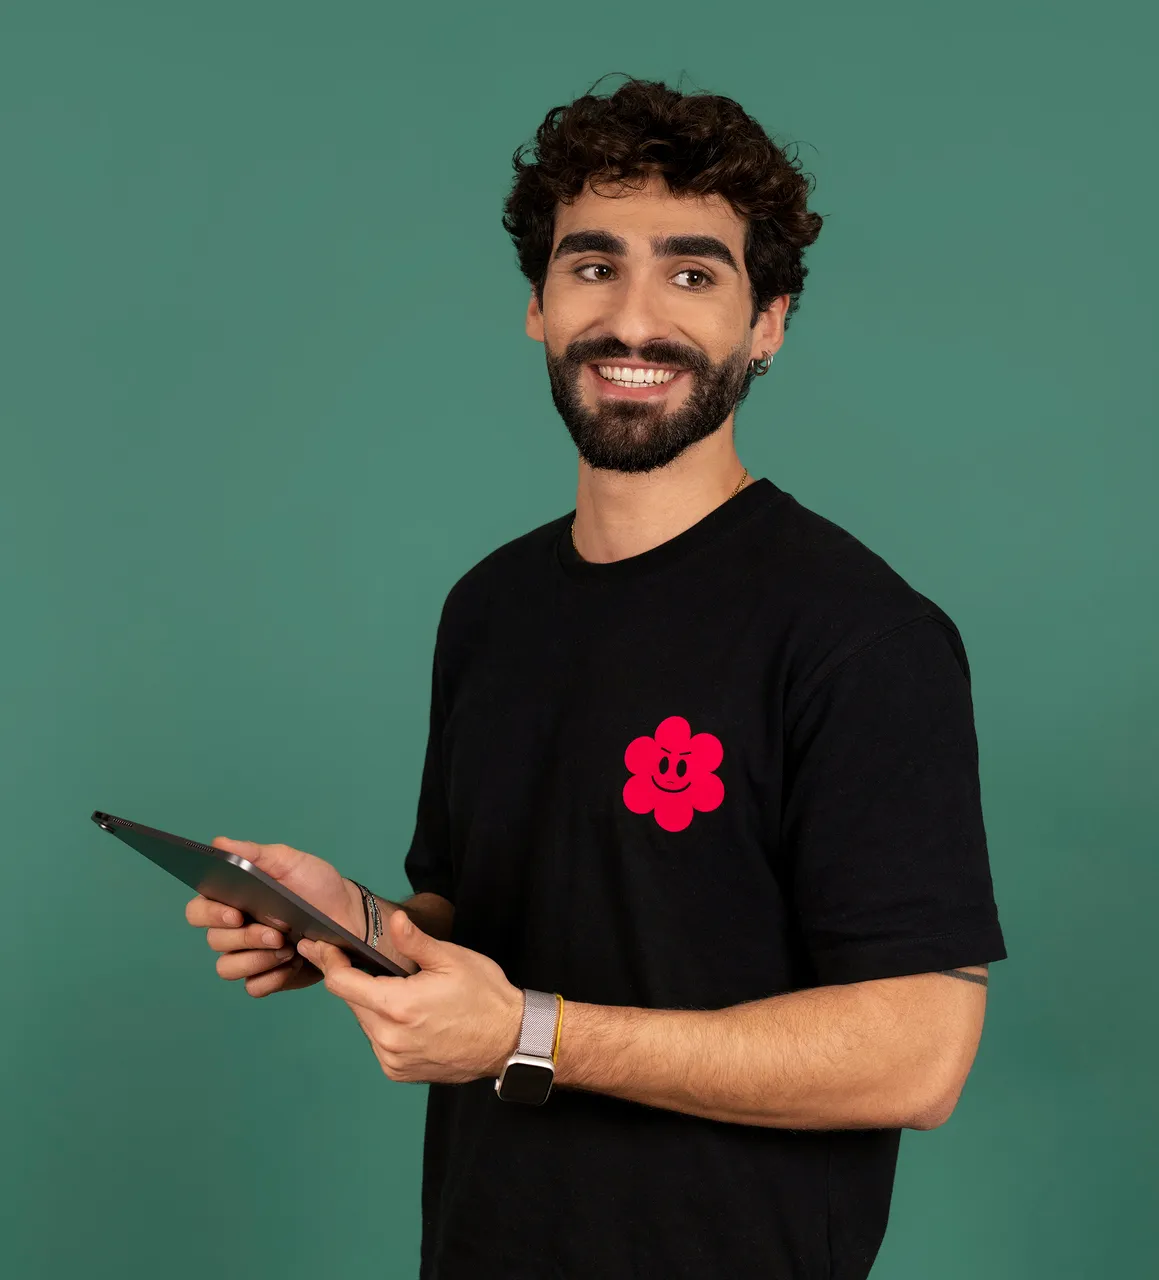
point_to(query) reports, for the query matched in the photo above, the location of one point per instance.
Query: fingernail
(269, 936)
(284, 953)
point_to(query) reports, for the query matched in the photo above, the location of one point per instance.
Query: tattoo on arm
(980, 978)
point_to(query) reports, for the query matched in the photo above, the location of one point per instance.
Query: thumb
(413, 943)
(276, 860)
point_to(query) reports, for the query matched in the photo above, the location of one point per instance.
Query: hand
(257, 952)
(455, 1020)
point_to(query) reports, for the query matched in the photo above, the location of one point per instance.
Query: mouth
(635, 382)
(670, 789)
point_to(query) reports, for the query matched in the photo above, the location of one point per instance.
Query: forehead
(638, 213)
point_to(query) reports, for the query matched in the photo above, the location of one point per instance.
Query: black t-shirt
(738, 764)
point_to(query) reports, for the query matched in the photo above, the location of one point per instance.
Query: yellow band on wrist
(558, 1028)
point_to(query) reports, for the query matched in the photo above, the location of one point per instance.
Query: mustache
(603, 350)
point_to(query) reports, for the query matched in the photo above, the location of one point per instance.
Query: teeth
(635, 377)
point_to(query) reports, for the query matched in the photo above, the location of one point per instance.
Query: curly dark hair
(701, 143)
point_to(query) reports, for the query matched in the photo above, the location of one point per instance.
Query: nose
(636, 314)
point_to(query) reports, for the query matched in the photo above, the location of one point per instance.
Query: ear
(769, 330)
(534, 321)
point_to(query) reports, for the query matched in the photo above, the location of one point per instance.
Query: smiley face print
(672, 773)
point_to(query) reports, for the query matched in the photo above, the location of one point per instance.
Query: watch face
(526, 1082)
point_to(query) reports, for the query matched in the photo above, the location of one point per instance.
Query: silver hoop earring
(758, 368)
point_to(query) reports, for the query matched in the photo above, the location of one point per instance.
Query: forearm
(857, 1056)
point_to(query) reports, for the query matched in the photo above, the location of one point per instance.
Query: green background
(266, 394)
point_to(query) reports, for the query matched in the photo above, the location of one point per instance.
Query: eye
(663, 766)
(593, 266)
(707, 280)
(681, 768)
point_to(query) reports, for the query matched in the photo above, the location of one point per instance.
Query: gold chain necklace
(740, 486)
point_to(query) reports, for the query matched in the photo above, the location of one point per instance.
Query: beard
(635, 435)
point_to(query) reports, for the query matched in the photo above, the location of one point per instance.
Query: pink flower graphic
(672, 773)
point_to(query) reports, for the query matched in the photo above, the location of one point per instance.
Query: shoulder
(509, 568)
(841, 596)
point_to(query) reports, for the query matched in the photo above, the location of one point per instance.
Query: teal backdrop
(266, 394)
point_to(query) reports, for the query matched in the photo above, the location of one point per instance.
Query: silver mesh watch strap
(537, 1035)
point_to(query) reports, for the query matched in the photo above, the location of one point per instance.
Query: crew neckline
(730, 513)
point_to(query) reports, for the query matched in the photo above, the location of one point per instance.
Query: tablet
(226, 877)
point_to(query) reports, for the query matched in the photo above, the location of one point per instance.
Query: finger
(291, 976)
(257, 936)
(324, 954)
(412, 942)
(345, 981)
(247, 964)
(201, 911)
(229, 845)
(363, 1017)
(276, 860)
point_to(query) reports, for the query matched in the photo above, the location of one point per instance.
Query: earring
(758, 368)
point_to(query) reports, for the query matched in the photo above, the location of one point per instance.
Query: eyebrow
(693, 247)
(686, 246)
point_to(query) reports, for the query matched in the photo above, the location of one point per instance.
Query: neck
(620, 514)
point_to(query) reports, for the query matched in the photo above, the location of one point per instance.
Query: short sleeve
(428, 860)
(882, 830)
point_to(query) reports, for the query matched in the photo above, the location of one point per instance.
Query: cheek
(568, 309)
(726, 346)
(719, 325)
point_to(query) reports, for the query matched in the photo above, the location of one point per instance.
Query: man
(699, 838)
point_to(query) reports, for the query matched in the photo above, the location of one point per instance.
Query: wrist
(509, 1028)
(356, 910)
(358, 913)
(529, 1072)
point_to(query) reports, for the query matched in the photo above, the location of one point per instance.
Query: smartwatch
(529, 1072)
